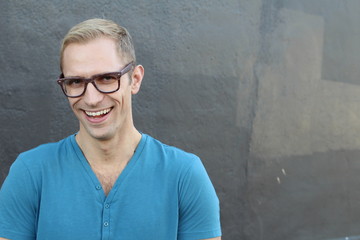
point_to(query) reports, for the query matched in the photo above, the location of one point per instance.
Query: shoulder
(170, 154)
(30, 166)
(173, 162)
(42, 153)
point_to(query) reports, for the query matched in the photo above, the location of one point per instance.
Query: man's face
(102, 116)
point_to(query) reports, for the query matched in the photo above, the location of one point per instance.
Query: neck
(117, 150)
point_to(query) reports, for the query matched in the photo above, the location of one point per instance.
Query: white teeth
(95, 114)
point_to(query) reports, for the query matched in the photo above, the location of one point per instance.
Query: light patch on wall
(298, 113)
(341, 44)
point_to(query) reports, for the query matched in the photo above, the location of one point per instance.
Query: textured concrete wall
(265, 92)
(304, 148)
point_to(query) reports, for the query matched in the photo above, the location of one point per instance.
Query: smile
(98, 113)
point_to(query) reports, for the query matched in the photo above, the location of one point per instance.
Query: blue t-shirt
(163, 193)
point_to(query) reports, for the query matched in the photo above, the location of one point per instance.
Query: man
(107, 181)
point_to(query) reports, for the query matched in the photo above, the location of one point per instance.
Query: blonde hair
(96, 28)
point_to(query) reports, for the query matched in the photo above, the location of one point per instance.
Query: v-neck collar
(92, 176)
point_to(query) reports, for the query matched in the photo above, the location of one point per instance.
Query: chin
(102, 137)
(99, 135)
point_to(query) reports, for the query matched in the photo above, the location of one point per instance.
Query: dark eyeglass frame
(118, 75)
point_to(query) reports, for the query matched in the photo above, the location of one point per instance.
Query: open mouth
(98, 114)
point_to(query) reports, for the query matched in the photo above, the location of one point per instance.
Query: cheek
(72, 103)
(121, 97)
(126, 98)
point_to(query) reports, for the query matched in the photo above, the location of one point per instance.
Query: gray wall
(265, 92)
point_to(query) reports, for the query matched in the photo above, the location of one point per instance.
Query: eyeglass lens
(104, 83)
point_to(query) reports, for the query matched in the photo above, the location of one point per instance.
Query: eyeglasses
(105, 83)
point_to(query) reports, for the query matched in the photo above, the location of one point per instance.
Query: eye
(73, 82)
(106, 79)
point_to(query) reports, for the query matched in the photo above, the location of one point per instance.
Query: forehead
(92, 57)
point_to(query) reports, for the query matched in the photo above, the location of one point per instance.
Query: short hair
(96, 28)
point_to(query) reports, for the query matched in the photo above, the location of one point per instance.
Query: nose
(92, 96)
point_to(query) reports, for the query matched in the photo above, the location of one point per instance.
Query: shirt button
(106, 224)
(107, 205)
(98, 187)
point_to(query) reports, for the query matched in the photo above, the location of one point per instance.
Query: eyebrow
(98, 74)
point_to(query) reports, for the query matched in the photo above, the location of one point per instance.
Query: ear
(137, 77)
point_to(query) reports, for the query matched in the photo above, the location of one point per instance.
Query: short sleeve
(18, 204)
(199, 206)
